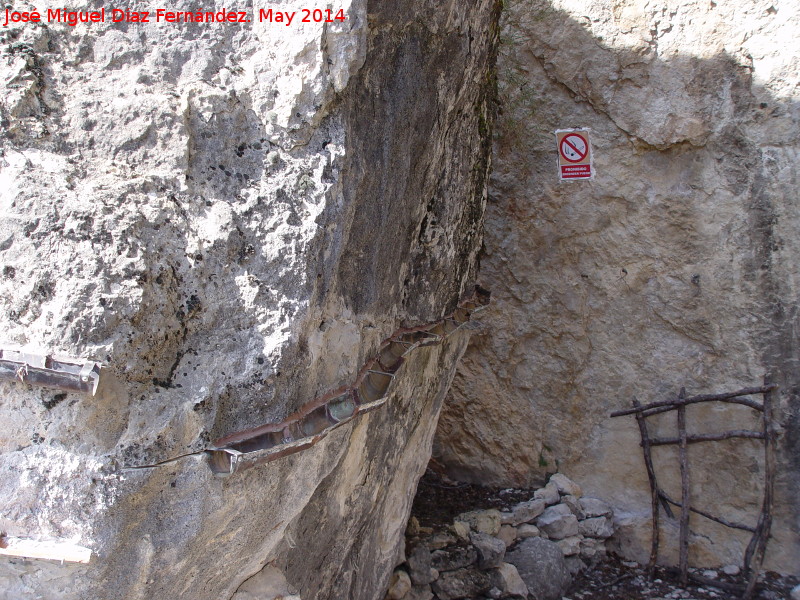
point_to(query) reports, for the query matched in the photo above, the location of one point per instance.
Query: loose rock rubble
(453, 551)
(530, 546)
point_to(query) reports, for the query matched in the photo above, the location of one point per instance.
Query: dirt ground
(439, 501)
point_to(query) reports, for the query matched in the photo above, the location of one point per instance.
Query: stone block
(452, 559)
(565, 486)
(491, 550)
(594, 507)
(557, 522)
(527, 530)
(570, 546)
(399, 585)
(463, 583)
(574, 506)
(526, 512)
(597, 527)
(507, 533)
(419, 565)
(507, 578)
(482, 521)
(461, 529)
(548, 493)
(541, 566)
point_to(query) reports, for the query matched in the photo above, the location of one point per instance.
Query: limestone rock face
(676, 266)
(231, 217)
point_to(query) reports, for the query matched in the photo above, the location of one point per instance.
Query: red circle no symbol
(574, 147)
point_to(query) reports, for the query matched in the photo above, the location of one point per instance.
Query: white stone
(570, 546)
(574, 506)
(440, 540)
(491, 550)
(594, 507)
(598, 527)
(399, 585)
(527, 530)
(558, 522)
(412, 529)
(592, 548)
(482, 521)
(731, 570)
(565, 486)
(574, 564)
(526, 512)
(461, 529)
(510, 580)
(548, 493)
(507, 533)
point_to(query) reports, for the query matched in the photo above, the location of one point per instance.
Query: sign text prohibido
(574, 154)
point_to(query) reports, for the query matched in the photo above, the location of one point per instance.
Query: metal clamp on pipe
(68, 374)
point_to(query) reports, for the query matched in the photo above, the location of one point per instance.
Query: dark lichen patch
(54, 401)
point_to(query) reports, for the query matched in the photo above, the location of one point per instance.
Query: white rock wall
(230, 218)
(676, 266)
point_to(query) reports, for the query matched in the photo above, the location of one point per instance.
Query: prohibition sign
(574, 148)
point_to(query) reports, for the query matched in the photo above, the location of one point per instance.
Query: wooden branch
(709, 437)
(709, 516)
(722, 585)
(651, 476)
(754, 555)
(734, 397)
(685, 505)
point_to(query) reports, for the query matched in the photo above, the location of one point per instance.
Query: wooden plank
(46, 550)
(710, 437)
(734, 397)
(754, 555)
(709, 516)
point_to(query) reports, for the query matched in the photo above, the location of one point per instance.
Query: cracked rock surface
(231, 218)
(677, 266)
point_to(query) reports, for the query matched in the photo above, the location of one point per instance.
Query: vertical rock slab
(231, 218)
(676, 266)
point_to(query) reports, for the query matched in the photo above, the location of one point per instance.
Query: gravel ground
(438, 502)
(615, 579)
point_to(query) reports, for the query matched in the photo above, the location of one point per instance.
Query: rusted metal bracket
(68, 374)
(317, 418)
(320, 416)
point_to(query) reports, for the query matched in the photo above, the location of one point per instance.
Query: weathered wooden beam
(709, 516)
(710, 437)
(733, 397)
(754, 555)
(685, 503)
(45, 550)
(651, 476)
